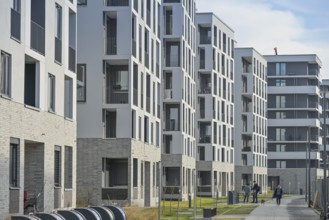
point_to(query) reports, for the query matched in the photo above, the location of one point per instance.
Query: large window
(172, 118)
(81, 82)
(173, 54)
(5, 74)
(58, 33)
(14, 163)
(51, 93)
(31, 84)
(110, 123)
(57, 166)
(68, 167)
(68, 97)
(280, 69)
(15, 23)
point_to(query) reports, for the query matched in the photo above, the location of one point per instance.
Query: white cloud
(260, 25)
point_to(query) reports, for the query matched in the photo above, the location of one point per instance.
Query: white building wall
(37, 128)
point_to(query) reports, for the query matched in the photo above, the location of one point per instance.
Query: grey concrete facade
(90, 172)
(37, 105)
(215, 106)
(251, 119)
(294, 119)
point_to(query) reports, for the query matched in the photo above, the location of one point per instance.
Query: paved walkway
(291, 208)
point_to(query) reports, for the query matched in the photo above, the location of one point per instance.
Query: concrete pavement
(291, 208)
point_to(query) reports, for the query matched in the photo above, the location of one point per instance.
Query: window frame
(6, 74)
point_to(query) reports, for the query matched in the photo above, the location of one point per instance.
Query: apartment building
(324, 88)
(293, 120)
(179, 99)
(37, 104)
(119, 108)
(250, 118)
(215, 108)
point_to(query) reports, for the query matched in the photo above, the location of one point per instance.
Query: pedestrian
(278, 192)
(246, 193)
(255, 191)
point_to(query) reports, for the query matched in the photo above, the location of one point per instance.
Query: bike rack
(71, 214)
(25, 218)
(104, 212)
(89, 213)
(118, 212)
(49, 216)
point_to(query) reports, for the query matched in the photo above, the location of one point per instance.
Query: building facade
(215, 107)
(250, 118)
(37, 104)
(293, 120)
(178, 152)
(119, 104)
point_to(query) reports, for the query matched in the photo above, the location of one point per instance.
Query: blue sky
(293, 26)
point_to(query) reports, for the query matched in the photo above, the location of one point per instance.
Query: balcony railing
(168, 94)
(15, 24)
(58, 50)
(246, 149)
(117, 3)
(37, 37)
(117, 98)
(205, 139)
(171, 190)
(205, 39)
(72, 59)
(205, 90)
(111, 46)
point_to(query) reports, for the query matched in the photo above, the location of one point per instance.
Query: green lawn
(171, 210)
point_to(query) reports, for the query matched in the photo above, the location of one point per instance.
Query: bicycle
(32, 204)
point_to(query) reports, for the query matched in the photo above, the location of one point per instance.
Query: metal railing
(205, 139)
(15, 24)
(37, 37)
(205, 39)
(111, 45)
(117, 98)
(117, 3)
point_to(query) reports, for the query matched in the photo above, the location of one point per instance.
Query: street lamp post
(159, 191)
(324, 157)
(309, 166)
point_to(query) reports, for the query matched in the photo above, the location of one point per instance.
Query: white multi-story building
(118, 76)
(293, 120)
(250, 118)
(37, 104)
(215, 108)
(178, 153)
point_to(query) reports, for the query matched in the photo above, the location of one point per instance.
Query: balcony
(168, 94)
(204, 138)
(37, 38)
(15, 24)
(117, 98)
(246, 149)
(117, 3)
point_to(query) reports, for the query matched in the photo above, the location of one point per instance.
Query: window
(173, 54)
(201, 153)
(280, 69)
(68, 165)
(172, 118)
(15, 23)
(57, 166)
(81, 82)
(82, 2)
(146, 129)
(168, 144)
(5, 74)
(58, 33)
(68, 97)
(38, 20)
(110, 124)
(280, 164)
(135, 172)
(31, 84)
(51, 93)
(14, 162)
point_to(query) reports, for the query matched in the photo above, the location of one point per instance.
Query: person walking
(278, 192)
(255, 191)
(246, 193)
